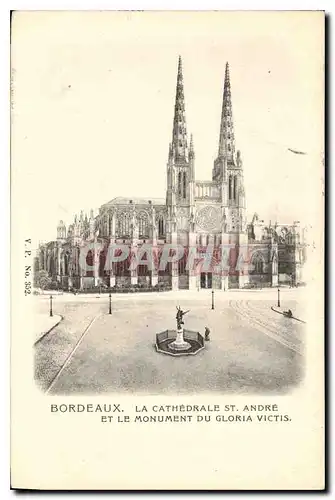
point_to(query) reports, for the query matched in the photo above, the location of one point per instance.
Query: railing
(207, 190)
(171, 334)
(167, 334)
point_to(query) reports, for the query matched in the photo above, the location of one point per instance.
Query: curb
(71, 353)
(48, 331)
(279, 312)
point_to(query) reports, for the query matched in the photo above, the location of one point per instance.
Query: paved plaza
(252, 349)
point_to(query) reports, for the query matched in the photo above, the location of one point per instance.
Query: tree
(42, 279)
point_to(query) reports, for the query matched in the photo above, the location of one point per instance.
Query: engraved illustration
(167, 190)
(106, 287)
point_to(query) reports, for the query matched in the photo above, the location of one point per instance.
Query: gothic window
(258, 262)
(124, 225)
(184, 185)
(110, 225)
(103, 227)
(160, 226)
(66, 264)
(259, 266)
(228, 135)
(180, 130)
(229, 148)
(90, 262)
(181, 144)
(230, 188)
(143, 226)
(179, 183)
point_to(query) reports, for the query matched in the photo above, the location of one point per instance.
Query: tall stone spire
(227, 139)
(179, 135)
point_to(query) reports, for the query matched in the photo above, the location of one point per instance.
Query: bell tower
(180, 166)
(180, 184)
(228, 171)
(228, 166)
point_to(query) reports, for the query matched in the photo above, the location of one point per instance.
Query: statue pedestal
(179, 344)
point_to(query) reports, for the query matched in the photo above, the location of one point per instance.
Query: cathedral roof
(136, 201)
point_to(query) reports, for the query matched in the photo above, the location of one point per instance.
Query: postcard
(167, 249)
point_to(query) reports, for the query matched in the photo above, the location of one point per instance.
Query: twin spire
(226, 139)
(179, 135)
(179, 146)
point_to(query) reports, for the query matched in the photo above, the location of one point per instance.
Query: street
(252, 348)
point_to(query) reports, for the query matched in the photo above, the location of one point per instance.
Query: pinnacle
(180, 71)
(180, 65)
(227, 77)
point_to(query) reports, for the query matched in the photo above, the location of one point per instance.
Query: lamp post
(212, 299)
(278, 297)
(110, 303)
(51, 314)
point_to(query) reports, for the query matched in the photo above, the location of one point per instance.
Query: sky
(93, 101)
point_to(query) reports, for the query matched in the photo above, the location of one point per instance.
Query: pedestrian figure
(207, 332)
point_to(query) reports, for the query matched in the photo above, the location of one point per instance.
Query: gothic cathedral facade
(194, 215)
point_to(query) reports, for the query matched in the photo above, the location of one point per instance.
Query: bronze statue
(179, 317)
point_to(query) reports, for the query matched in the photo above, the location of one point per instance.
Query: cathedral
(194, 214)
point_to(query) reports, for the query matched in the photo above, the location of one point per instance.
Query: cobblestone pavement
(252, 349)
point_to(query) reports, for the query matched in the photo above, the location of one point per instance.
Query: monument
(180, 344)
(180, 341)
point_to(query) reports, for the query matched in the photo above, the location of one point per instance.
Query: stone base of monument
(179, 342)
